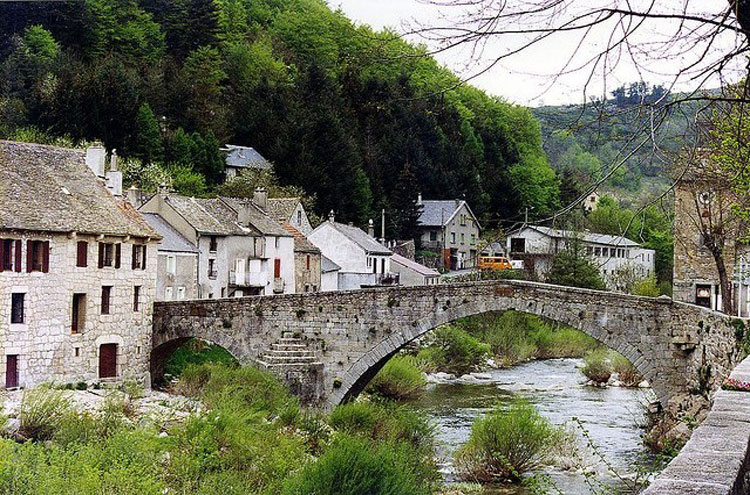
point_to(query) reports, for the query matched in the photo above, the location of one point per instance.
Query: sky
(528, 78)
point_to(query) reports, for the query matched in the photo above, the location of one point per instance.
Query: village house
(240, 158)
(177, 266)
(363, 261)
(536, 246)
(241, 250)
(77, 269)
(700, 204)
(412, 273)
(450, 229)
(307, 269)
(290, 211)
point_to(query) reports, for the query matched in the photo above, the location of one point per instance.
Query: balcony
(247, 279)
(387, 279)
(278, 286)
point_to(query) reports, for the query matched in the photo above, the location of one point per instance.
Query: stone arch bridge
(678, 347)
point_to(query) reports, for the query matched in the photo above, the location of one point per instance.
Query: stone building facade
(450, 229)
(307, 263)
(177, 265)
(77, 270)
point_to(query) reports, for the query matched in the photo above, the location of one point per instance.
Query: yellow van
(494, 263)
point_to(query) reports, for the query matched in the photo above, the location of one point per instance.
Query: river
(613, 417)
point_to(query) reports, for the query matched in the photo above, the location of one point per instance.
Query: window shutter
(83, 254)
(29, 261)
(101, 255)
(134, 258)
(18, 255)
(143, 263)
(45, 257)
(118, 248)
(2, 254)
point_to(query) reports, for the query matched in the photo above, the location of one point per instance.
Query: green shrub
(459, 352)
(398, 380)
(195, 352)
(506, 443)
(625, 370)
(648, 286)
(561, 342)
(41, 412)
(354, 466)
(355, 417)
(597, 367)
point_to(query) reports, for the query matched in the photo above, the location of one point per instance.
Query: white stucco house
(329, 275)
(363, 261)
(536, 246)
(411, 273)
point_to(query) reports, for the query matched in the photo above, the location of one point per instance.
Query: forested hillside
(359, 119)
(582, 143)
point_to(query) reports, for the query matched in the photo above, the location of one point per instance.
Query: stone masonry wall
(354, 333)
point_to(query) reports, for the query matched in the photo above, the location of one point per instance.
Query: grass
(506, 443)
(196, 352)
(454, 350)
(398, 380)
(597, 366)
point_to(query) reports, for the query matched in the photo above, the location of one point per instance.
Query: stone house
(307, 271)
(536, 246)
(77, 269)
(177, 266)
(241, 250)
(696, 277)
(450, 228)
(412, 273)
(290, 211)
(363, 261)
(240, 158)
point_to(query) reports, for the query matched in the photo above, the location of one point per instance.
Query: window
(276, 242)
(109, 254)
(10, 252)
(307, 262)
(605, 252)
(463, 219)
(212, 269)
(299, 217)
(473, 238)
(597, 252)
(463, 237)
(382, 265)
(17, 308)
(82, 254)
(37, 256)
(136, 298)
(139, 257)
(277, 268)
(433, 235)
(518, 245)
(213, 244)
(106, 299)
(171, 264)
(180, 293)
(453, 237)
(589, 250)
(78, 317)
(369, 262)
(168, 294)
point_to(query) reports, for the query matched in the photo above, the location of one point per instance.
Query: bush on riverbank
(398, 380)
(626, 372)
(506, 443)
(195, 352)
(597, 367)
(453, 350)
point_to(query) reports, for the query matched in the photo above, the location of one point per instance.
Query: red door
(277, 268)
(11, 371)
(108, 361)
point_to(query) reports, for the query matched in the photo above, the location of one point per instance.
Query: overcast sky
(527, 78)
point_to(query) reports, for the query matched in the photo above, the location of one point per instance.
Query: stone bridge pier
(680, 348)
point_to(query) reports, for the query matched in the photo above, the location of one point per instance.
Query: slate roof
(611, 240)
(244, 157)
(301, 244)
(258, 218)
(360, 237)
(436, 213)
(208, 215)
(413, 265)
(50, 189)
(281, 208)
(172, 240)
(327, 266)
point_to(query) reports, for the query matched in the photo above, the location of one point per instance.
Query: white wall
(340, 249)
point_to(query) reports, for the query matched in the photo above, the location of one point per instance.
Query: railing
(248, 279)
(387, 278)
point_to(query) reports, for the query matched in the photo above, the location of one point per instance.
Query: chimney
(419, 199)
(331, 216)
(114, 176)
(260, 198)
(371, 228)
(134, 196)
(96, 155)
(243, 216)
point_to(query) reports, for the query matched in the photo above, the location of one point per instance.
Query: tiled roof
(281, 208)
(413, 265)
(436, 213)
(611, 240)
(301, 244)
(46, 188)
(360, 237)
(258, 218)
(327, 266)
(207, 216)
(171, 240)
(244, 157)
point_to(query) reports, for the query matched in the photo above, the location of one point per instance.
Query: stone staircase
(288, 354)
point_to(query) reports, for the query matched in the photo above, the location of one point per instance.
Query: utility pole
(382, 225)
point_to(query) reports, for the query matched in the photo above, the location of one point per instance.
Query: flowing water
(613, 417)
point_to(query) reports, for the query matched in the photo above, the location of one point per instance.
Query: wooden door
(108, 361)
(11, 371)
(277, 268)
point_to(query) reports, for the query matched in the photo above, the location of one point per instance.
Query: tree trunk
(727, 298)
(741, 9)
